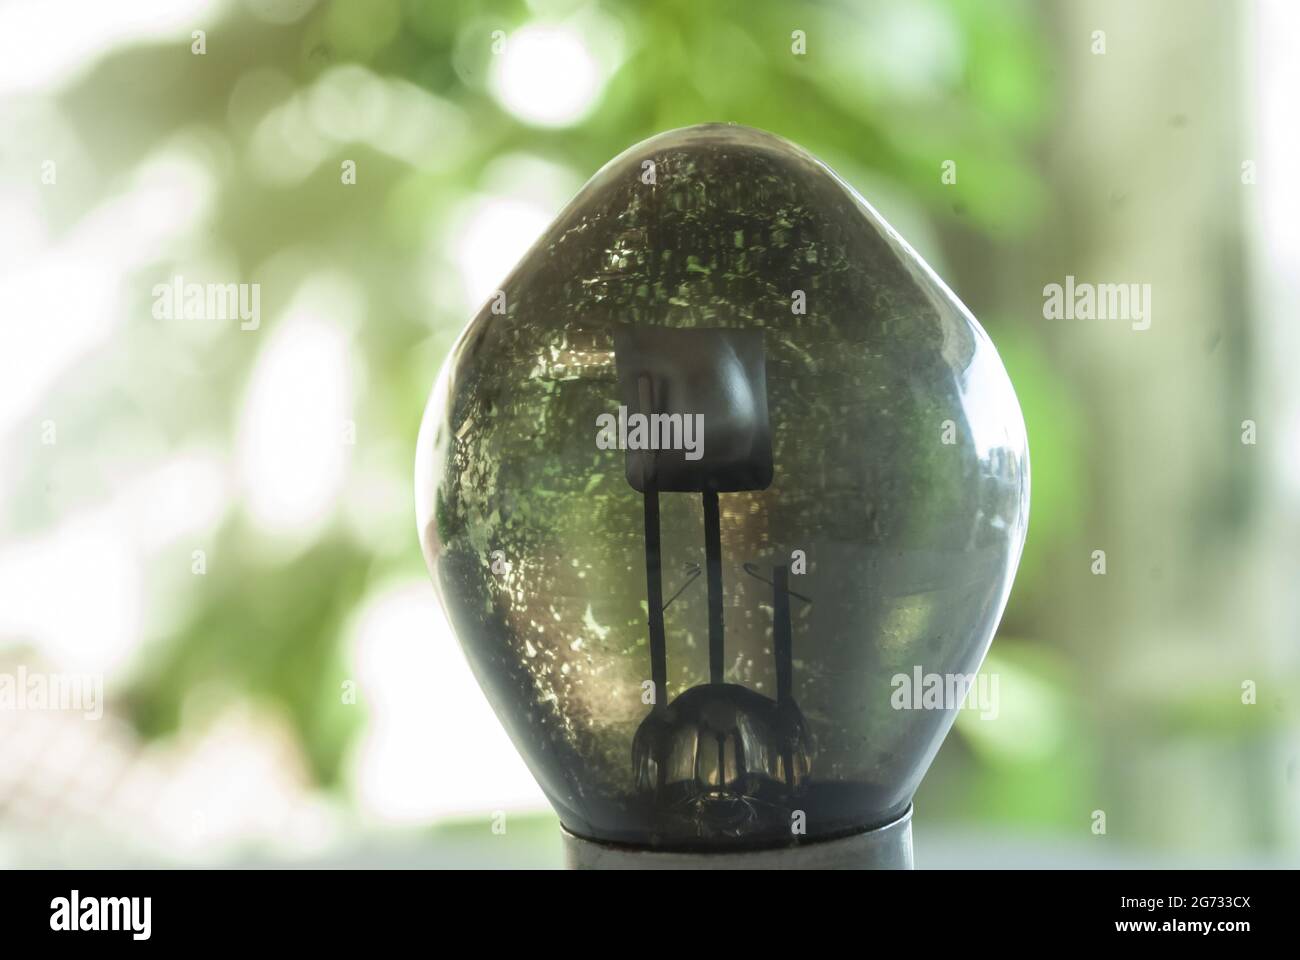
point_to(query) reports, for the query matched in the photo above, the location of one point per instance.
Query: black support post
(713, 566)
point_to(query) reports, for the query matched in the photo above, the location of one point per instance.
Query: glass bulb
(721, 460)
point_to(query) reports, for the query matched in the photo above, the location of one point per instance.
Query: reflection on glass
(695, 647)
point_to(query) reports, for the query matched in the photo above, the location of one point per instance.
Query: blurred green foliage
(885, 94)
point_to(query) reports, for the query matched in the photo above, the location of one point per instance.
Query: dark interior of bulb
(719, 758)
(825, 539)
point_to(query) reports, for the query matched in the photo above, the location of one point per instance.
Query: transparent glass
(703, 653)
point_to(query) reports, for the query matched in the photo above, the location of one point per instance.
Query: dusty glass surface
(885, 541)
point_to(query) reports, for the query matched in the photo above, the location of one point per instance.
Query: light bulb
(721, 462)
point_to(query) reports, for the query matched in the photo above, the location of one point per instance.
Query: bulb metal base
(884, 848)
